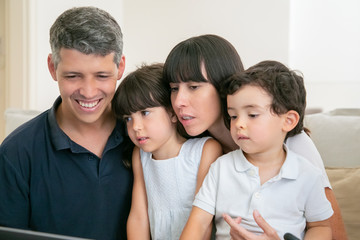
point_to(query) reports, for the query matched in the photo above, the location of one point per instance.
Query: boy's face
(152, 129)
(252, 124)
(87, 84)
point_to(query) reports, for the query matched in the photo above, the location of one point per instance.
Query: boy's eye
(232, 117)
(253, 115)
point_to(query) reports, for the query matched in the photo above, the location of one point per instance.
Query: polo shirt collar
(289, 169)
(61, 141)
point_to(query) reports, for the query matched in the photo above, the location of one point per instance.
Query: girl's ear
(173, 117)
(291, 120)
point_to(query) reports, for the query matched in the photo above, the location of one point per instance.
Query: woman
(194, 71)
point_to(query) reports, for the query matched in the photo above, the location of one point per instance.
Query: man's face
(87, 85)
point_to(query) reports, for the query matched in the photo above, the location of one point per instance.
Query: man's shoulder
(26, 132)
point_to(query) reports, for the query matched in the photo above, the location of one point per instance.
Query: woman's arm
(303, 145)
(138, 226)
(336, 221)
(318, 230)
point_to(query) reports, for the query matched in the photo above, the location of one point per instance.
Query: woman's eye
(174, 89)
(194, 87)
(253, 115)
(233, 117)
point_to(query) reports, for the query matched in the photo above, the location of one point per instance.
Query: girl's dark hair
(216, 54)
(141, 89)
(286, 88)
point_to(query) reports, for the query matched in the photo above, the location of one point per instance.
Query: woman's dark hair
(286, 88)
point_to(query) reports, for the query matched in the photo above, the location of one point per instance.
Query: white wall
(318, 37)
(152, 28)
(325, 46)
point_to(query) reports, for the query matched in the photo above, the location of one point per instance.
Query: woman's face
(197, 105)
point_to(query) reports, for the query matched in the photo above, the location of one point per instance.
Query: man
(65, 171)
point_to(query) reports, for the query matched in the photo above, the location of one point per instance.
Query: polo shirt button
(91, 158)
(251, 172)
(257, 195)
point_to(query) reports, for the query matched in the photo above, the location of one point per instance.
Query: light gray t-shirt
(170, 187)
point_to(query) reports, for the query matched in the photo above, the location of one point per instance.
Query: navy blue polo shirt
(51, 184)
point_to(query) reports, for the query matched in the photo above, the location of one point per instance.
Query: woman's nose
(180, 98)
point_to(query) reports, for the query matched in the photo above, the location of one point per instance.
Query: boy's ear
(291, 120)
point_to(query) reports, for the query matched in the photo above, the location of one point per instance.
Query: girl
(168, 168)
(195, 70)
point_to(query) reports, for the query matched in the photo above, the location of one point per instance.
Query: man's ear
(51, 67)
(121, 67)
(291, 120)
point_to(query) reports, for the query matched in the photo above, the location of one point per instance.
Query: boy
(265, 104)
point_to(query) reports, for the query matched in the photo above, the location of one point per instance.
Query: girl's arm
(138, 226)
(198, 225)
(320, 230)
(211, 151)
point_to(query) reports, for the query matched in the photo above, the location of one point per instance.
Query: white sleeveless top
(170, 187)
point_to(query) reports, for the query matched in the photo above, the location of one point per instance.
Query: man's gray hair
(89, 30)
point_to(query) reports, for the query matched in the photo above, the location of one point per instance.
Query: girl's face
(253, 126)
(197, 105)
(151, 129)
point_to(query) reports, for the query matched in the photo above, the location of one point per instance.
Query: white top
(303, 145)
(170, 187)
(287, 201)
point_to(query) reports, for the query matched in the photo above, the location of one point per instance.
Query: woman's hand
(238, 232)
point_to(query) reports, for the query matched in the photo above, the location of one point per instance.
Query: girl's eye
(145, 113)
(194, 87)
(127, 118)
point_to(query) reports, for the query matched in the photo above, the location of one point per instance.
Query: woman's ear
(291, 120)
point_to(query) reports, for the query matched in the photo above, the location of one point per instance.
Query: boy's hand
(238, 232)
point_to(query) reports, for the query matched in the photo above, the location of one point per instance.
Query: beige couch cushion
(336, 135)
(346, 186)
(15, 117)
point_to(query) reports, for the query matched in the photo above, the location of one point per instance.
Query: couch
(336, 135)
